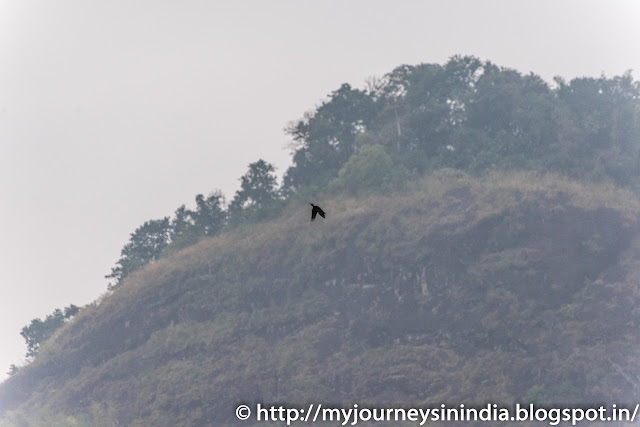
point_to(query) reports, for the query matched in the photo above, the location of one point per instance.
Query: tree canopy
(474, 115)
(145, 245)
(466, 114)
(38, 331)
(258, 190)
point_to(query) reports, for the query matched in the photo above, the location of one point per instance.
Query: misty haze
(281, 213)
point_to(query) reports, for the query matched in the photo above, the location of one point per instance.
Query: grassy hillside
(513, 287)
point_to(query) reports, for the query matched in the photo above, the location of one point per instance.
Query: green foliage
(599, 128)
(38, 331)
(482, 287)
(456, 289)
(13, 369)
(467, 114)
(476, 116)
(369, 168)
(258, 190)
(258, 186)
(324, 140)
(209, 217)
(188, 227)
(145, 245)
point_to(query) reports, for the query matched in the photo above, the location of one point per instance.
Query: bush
(370, 168)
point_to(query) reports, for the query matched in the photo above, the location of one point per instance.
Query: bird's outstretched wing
(316, 210)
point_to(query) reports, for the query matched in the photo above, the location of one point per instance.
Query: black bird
(316, 210)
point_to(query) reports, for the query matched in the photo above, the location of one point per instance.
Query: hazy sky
(116, 112)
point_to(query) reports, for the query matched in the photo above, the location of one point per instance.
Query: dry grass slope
(512, 287)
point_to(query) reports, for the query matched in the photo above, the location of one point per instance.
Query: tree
(145, 245)
(601, 122)
(474, 115)
(13, 369)
(209, 216)
(181, 223)
(511, 120)
(258, 188)
(422, 105)
(370, 168)
(324, 139)
(71, 311)
(189, 226)
(38, 331)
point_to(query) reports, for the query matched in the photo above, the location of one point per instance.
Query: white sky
(116, 112)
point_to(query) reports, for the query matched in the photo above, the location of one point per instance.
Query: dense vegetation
(512, 287)
(39, 331)
(467, 114)
(433, 279)
(474, 115)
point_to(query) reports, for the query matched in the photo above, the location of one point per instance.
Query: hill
(512, 287)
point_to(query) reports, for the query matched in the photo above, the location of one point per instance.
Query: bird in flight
(316, 210)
